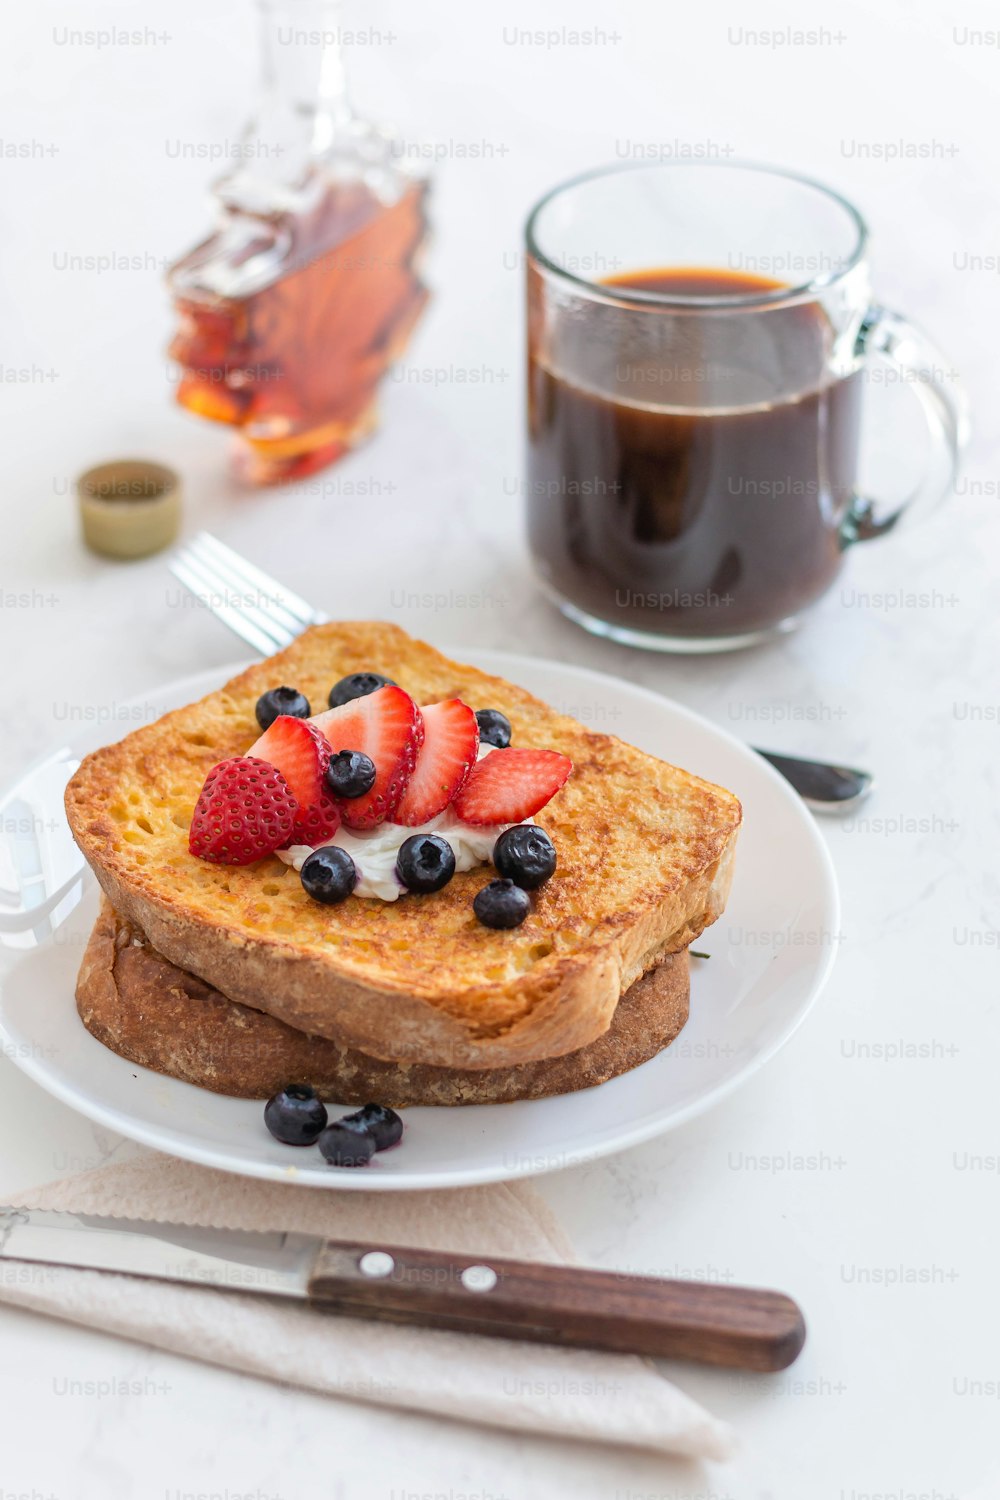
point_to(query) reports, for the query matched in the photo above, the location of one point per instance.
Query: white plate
(770, 955)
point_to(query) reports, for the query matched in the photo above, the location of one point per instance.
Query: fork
(255, 606)
(269, 616)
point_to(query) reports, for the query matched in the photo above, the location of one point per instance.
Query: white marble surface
(834, 1164)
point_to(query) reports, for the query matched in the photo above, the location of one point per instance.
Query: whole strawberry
(245, 810)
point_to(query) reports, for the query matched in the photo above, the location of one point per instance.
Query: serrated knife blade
(276, 1264)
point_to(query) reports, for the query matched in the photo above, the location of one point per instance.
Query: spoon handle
(826, 788)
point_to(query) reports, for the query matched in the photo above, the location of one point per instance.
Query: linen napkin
(535, 1388)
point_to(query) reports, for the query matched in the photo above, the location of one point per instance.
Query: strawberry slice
(245, 810)
(386, 726)
(301, 754)
(509, 785)
(451, 739)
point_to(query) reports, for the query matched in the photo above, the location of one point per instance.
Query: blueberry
(501, 904)
(425, 862)
(381, 1123)
(281, 700)
(350, 773)
(357, 685)
(295, 1116)
(494, 728)
(345, 1145)
(329, 875)
(526, 855)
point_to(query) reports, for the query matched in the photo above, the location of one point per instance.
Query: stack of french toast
(228, 967)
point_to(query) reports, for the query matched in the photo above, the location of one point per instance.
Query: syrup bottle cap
(129, 508)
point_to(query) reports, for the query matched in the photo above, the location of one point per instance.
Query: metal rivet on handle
(479, 1278)
(376, 1263)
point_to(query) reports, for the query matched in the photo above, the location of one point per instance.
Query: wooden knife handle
(740, 1327)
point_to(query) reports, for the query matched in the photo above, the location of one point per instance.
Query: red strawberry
(301, 754)
(245, 810)
(385, 725)
(451, 739)
(510, 785)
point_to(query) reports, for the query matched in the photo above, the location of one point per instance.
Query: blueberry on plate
(501, 904)
(350, 773)
(526, 855)
(382, 1124)
(425, 862)
(295, 1115)
(281, 700)
(357, 685)
(329, 875)
(345, 1144)
(494, 728)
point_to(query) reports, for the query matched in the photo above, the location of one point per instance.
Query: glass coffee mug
(699, 340)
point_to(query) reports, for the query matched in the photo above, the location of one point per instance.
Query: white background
(879, 1402)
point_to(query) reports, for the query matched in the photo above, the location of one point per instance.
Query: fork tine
(251, 625)
(277, 594)
(249, 595)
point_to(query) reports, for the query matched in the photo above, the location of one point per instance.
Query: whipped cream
(374, 850)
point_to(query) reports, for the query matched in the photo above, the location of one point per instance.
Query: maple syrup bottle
(292, 311)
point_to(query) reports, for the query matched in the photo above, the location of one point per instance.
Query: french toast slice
(149, 1011)
(645, 861)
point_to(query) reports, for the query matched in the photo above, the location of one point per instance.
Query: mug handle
(888, 336)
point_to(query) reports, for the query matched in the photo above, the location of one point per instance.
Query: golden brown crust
(645, 860)
(147, 1010)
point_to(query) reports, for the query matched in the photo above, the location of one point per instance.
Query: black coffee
(657, 513)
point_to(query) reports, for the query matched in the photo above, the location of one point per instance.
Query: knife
(738, 1327)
